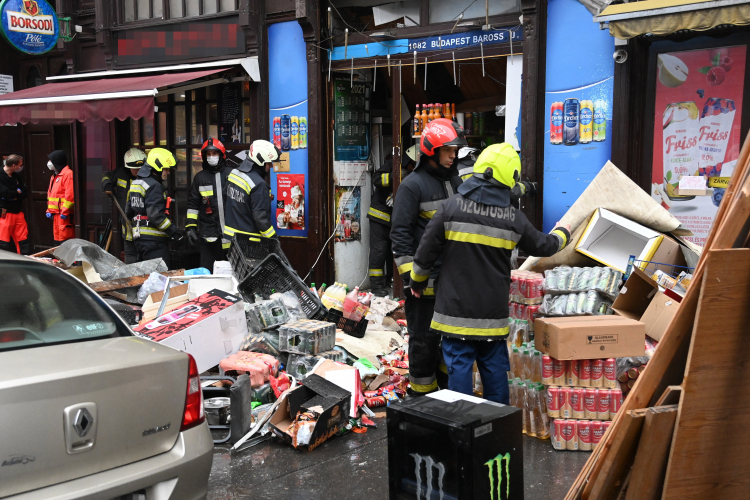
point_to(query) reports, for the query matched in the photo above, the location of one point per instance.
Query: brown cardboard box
(590, 337)
(640, 299)
(178, 295)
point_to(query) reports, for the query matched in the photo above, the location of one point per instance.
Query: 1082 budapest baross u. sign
(29, 25)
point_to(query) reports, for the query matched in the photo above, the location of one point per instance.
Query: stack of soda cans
(526, 293)
(582, 396)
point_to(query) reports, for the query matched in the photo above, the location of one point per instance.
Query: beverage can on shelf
(603, 401)
(558, 371)
(597, 372)
(570, 434)
(576, 402)
(584, 435)
(553, 401)
(557, 431)
(610, 373)
(589, 404)
(615, 402)
(547, 370)
(566, 410)
(571, 374)
(597, 431)
(584, 373)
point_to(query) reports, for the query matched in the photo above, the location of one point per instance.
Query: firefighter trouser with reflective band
(380, 255)
(492, 363)
(152, 249)
(14, 234)
(424, 345)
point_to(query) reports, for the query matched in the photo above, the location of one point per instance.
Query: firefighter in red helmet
(206, 202)
(434, 180)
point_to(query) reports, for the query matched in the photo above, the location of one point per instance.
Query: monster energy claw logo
(429, 465)
(498, 463)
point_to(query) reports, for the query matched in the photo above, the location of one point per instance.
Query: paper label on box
(601, 339)
(693, 182)
(482, 430)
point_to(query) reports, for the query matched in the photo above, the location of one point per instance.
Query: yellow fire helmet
(500, 164)
(160, 158)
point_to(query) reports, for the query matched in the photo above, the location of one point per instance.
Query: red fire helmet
(441, 132)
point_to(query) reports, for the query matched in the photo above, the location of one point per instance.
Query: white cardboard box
(611, 239)
(210, 328)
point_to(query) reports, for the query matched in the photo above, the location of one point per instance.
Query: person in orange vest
(60, 197)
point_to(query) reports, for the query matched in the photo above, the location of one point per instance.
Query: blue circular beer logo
(599, 116)
(276, 128)
(29, 25)
(295, 129)
(302, 128)
(557, 117)
(586, 116)
(571, 118)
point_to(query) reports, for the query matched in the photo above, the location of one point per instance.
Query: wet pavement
(355, 466)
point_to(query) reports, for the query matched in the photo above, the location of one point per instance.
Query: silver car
(87, 410)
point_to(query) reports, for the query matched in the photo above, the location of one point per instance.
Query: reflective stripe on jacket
(248, 203)
(147, 197)
(475, 242)
(418, 198)
(203, 203)
(60, 195)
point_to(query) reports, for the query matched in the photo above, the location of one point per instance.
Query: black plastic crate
(353, 328)
(247, 252)
(272, 275)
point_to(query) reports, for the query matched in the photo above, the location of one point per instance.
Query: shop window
(97, 158)
(139, 10)
(175, 8)
(181, 171)
(181, 201)
(196, 163)
(148, 132)
(180, 136)
(212, 113)
(162, 120)
(135, 133)
(33, 78)
(198, 118)
(443, 11)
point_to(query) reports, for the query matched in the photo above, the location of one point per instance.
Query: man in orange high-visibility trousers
(60, 197)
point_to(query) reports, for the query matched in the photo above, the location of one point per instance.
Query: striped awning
(663, 17)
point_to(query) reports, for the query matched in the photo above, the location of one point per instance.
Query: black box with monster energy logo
(448, 445)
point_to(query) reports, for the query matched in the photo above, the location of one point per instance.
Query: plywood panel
(650, 464)
(710, 455)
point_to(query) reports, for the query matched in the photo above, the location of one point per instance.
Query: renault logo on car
(83, 422)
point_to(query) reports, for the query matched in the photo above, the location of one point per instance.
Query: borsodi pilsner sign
(29, 25)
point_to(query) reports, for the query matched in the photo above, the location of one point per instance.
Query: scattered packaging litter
(266, 341)
(270, 313)
(259, 366)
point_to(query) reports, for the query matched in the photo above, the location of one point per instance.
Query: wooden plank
(650, 464)
(615, 466)
(108, 286)
(668, 356)
(710, 456)
(44, 253)
(671, 396)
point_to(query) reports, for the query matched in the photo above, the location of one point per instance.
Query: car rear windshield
(41, 305)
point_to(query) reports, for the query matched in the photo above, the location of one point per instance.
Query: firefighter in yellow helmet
(116, 184)
(147, 206)
(475, 231)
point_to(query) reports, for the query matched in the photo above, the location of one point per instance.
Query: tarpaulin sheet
(107, 265)
(102, 99)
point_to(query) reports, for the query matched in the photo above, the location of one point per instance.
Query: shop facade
(679, 105)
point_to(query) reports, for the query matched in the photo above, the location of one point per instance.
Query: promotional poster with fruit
(697, 118)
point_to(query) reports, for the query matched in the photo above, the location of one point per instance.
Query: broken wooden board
(108, 286)
(615, 467)
(671, 396)
(710, 456)
(650, 464)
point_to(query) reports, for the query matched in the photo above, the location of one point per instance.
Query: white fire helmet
(134, 158)
(262, 152)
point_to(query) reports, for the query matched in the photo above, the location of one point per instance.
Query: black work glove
(192, 237)
(178, 236)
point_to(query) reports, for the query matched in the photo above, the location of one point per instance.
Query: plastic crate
(247, 252)
(351, 327)
(273, 275)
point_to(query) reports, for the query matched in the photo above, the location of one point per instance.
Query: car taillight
(193, 414)
(12, 336)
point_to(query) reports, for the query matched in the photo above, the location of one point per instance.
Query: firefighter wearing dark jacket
(117, 184)
(381, 208)
(475, 232)
(14, 233)
(147, 208)
(435, 179)
(206, 203)
(248, 205)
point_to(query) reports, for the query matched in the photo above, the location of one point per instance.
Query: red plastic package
(280, 384)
